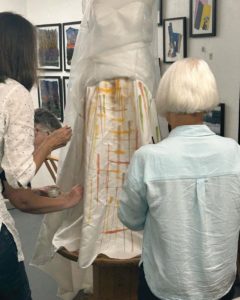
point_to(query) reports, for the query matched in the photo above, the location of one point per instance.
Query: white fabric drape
(112, 112)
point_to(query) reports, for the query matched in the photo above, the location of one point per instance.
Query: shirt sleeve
(17, 160)
(133, 204)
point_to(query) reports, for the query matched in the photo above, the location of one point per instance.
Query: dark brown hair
(18, 57)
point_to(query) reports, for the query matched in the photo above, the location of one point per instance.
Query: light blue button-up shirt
(184, 192)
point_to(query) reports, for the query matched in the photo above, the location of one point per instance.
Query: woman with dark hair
(18, 56)
(17, 155)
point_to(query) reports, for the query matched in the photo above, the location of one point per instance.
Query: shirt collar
(191, 130)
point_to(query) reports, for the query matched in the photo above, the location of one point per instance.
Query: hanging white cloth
(112, 112)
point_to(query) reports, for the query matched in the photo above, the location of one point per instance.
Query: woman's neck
(175, 119)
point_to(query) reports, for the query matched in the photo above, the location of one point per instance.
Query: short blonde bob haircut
(187, 87)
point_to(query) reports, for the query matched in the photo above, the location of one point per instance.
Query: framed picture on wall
(49, 47)
(70, 32)
(50, 94)
(174, 39)
(159, 13)
(202, 18)
(215, 119)
(65, 88)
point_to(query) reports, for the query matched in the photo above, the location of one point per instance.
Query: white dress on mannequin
(112, 112)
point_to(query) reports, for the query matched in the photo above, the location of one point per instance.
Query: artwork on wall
(50, 95)
(159, 13)
(215, 119)
(65, 88)
(70, 32)
(202, 18)
(49, 47)
(174, 39)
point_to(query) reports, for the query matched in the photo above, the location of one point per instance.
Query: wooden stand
(113, 279)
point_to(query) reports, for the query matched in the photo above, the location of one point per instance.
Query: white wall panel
(18, 6)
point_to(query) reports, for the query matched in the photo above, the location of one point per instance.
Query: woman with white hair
(184, 193)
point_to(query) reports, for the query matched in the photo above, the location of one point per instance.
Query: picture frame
(202, 18)
(174, 39)
(69, 32)
(65, 88)
(49, 47)
(215, 119)
(50, 94)
(159, 13)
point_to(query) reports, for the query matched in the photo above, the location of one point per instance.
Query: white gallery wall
(221, 52)
(53, 11)
(18, 6)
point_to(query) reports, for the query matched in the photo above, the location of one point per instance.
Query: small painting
(174, 39)
(49, 47)
(50, 95)
(70, 33)
(202, 18)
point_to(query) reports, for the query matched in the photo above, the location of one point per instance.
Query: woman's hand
(59, 138)
(74, 196)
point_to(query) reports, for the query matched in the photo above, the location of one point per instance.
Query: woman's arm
(56, 139)
(28, 201)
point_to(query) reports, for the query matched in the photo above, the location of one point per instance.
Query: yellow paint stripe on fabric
(106, 90)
